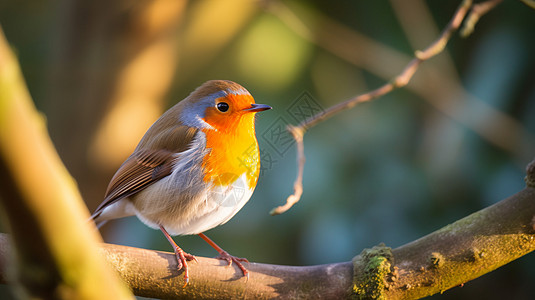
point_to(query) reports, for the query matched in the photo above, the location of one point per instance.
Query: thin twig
(399, 81)
(440, 86)
(297, 133)
(478, 10)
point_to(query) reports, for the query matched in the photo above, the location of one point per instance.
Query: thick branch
(466, 249)
(56, 250)
(439, 261)
(153, 274)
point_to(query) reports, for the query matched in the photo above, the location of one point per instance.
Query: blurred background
(455, 140)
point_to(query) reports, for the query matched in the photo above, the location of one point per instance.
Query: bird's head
(222, 106)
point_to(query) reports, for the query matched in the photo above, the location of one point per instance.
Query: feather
(146, 166)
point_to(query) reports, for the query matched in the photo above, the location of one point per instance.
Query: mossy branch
(451, 256)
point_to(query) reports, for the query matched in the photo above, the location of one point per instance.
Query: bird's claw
(182, 259)
(237, 260)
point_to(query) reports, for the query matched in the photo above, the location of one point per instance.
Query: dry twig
(478, 10)
(297, 133)
(399, 81)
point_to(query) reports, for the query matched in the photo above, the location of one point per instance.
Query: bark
(451, 256)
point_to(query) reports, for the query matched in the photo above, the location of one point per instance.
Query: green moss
(371, 271)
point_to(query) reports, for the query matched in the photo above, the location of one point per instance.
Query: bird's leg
(181, 256)
(224, 255)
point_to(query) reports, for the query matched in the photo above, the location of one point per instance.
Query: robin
(193, 170)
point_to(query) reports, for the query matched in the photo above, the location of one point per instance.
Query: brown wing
(146, 166)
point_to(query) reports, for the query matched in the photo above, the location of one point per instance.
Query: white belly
(222, 203)
(212, 207)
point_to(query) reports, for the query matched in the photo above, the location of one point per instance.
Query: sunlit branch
(448, 257)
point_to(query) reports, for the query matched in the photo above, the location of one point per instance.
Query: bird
(193, 170)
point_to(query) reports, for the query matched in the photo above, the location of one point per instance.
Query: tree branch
(478, 10)
(55, 249)
(451, 256)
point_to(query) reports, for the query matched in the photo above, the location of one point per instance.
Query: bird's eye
(222, 106)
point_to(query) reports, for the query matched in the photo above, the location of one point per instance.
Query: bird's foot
(182, 259)
(224, 255)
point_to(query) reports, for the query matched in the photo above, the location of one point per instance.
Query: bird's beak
(257, 107)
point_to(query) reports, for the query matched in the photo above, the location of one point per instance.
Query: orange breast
(232, 153)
